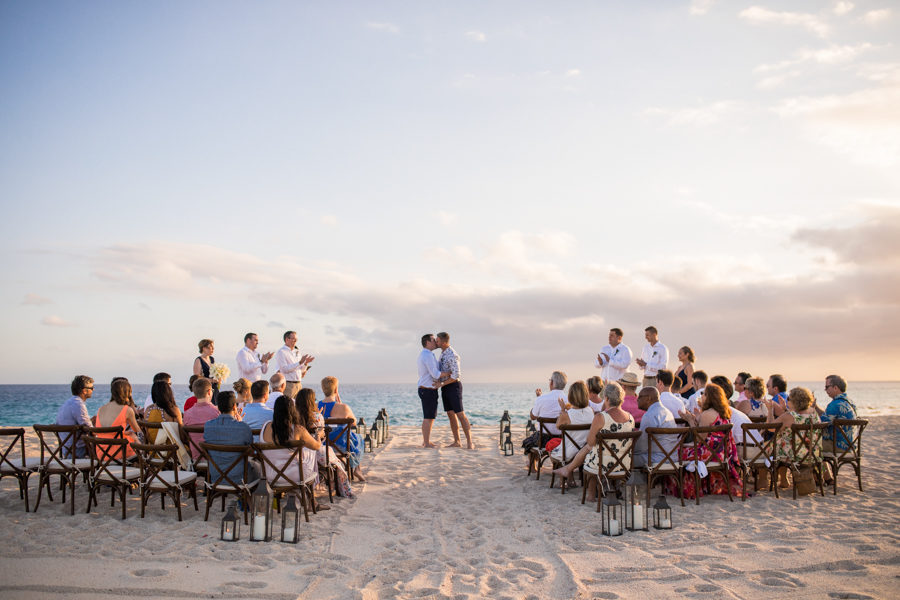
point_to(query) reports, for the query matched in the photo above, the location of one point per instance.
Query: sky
(522, 175)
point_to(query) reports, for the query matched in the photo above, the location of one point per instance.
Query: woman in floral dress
(801, 411)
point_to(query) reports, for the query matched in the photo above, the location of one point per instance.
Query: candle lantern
(387, 423)
(374, 433)
(368, 443)
(231, 525)
(261, 513)
(290, 522)
(508, 447)
(636, 510)
(504, 423)
(662, 514)
(612, 515)
(507, 435)
(361, 426)
(529, 428)
(379, 427)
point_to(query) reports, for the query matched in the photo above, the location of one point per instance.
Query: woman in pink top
(629, 383)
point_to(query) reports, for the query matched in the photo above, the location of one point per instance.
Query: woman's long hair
(120, 391)
(306, 408)
(714, 398)
(284, 418)
(162, 396)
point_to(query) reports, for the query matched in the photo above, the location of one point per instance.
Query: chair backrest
(147, 427)
(847, 432)
(153, 459)
(806, 442)
(116, 431)
(277, 475)
(218, 475)
(191, 432)
(721, 441)
(759, 419)
(615, 458)
(104, 454)
(543, 427)
(343, 426)
(568, 439)
(7, 459)
(751, 451)
(657, 439)
(57, 442)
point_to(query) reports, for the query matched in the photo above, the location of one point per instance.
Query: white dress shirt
(674, 403)
(619, 359)
(737, 419)
(694, 401)
(656, 357)
(249, 365)
(547, 405)
(288, 362)
(429, 370)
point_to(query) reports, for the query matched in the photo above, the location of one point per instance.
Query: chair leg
(177, 500)
(858, 468)
(697, 487)
(72, 496)
(41, 479)
(24, 488)
(208, 502)
(194, 495)
(122, 494)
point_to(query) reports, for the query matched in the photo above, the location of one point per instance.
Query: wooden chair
(568, 453)
(278, 479)
(329, 471)
(757, 456)
(117, 433)
(537, 455)
(670, 465)
(344, 426)
(21, 467)
(853, 454)
(758, 419)
(155, 479)
(57, 443)
(218, 483)
(108, 470)
(806, 446)
(201, 466)
(712, 466)
(616, 464)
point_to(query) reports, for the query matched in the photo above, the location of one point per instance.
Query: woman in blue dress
(333, 408)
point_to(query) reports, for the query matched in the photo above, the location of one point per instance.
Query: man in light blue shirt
(257, 413)
(429, 376)
(657, 415)
(74, 412)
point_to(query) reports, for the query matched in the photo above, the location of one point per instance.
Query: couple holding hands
(443, 374)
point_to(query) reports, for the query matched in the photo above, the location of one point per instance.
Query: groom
(451, 391)
(429, 374)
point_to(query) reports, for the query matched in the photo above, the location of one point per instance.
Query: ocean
(24, 405)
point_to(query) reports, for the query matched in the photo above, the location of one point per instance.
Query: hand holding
(605, 357)
(537, 392)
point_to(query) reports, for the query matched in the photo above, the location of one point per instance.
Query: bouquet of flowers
(219, 372)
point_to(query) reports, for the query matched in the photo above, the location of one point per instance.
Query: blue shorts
(429, 398)
(451, 396)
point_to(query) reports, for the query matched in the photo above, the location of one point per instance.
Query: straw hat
(629, 379)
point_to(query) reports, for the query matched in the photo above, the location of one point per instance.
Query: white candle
(665, 522)
(614, 527)
(638, 516)
(259, 527)
(229, 534)
(289, 534)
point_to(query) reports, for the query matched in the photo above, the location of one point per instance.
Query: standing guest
(202, 411)
(739, 381)
(118, 413)
(692, 404)
(203, 363)
(654, 356)
(547, 405)
(163, 409)
(799, 410)
(685, 373)
(228, 430)
(614, 357)
(291, 364)
(313, 421)
(193, 399)
(576, 412)
(753, 406)
(655, 415)
(333, 408)
(664, 381)
(257, 413)
(429, 382)
(252, 365)
(451, 392)
(74, 412)
(241, 389)
(595, 388)
(165, 377)
(277, 385)
(840, 407)
(776, 386)
(629, 383)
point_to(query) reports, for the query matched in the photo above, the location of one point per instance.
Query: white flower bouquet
(219, 372)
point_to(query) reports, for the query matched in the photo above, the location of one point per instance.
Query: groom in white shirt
(615, 356)
(654, 356)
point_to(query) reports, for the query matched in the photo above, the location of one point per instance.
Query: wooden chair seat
(107, 470)
(130, 474)
(538, 455)
(852, 455)
(156, 479)
(169, 477)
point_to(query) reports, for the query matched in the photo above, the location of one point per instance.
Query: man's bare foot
(470, 446)
(453, 445)
(429, 445)
(358, 476)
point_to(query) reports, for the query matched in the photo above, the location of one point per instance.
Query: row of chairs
(617, 453)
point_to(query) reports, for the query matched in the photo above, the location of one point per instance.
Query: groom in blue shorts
(429, 376)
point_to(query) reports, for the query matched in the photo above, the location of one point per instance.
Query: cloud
(842, 8)
(876, 17)
(329, 220)
(54, 321)
(573, 73)
(874, 242)
(778, 73)
(385, 27)
(144, 306)
(477, 36)
(276, 324)
(36, 300)
(758, 15)
(703, 115)
(701, 7)
(447, 218)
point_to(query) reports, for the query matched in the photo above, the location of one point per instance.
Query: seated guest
(284, 427)
(74, 412)
(118, 413)
(333, 408)
(576, 412)
(755, 392)
(547, 405)
(313, 421)
(164, 377)
(840, 407)
(739, 382)
(692, 403)
(257, 413)
(163, 409)
(776, 386)
(629, 383)
(595, 388)
(713, 447)
(655, 415)
(193, 399)
(201, 412)
(664, 382)
(226, 429)
(799, 410)
(242, 391)
(684, 376)
(613, 420)
(724, 383)
(277, 385)
(738, 418)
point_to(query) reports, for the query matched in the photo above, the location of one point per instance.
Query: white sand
(452, 523)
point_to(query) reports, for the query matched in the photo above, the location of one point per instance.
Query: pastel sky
(524, 175)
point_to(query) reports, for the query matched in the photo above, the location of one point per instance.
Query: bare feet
(455, 444)
(429, 445)
(561, 472)
(470, 446)
(358, 475)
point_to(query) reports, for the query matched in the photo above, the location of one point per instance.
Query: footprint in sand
(247, 585)
(849, 596)
(778, 579)
(605, 595)
(149, 572)
(250, 568)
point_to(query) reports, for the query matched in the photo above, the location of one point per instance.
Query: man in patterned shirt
(451, 391)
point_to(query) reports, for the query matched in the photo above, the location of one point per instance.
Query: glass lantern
(231, 525)
(261, 513)
(637, 517)
(612, 515)
(387, 423)
(379, 427)
(529, 428)
(662, 514)
(361, 426)
(368, 443)
(374, 433)
(290, 522)
(508, 447)
(504, 423)
(507, 436)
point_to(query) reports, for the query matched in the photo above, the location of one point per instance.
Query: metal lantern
(379, 427)
(506, 436)
(612, 515)
(261, 513)
(508, 447)
(636, 509)
(529, 428)
(368, 443)
(504, 423)
(374, 433)
(387, 423)
(231, 525)
(662, 514)
(290, 522)
(361, 426)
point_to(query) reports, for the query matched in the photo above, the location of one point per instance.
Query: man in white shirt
(664, 381)
(276, 385)
(547, 405)
(699, 379)
(654, 356)
(251, 365)
(614, 357)
(429, 376)
(291, 364)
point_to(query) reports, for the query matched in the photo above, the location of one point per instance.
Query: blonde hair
(800, 397)
(595, 385)
(329, 385)
(578, 395)
(241, 385)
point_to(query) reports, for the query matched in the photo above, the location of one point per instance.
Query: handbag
(804, 480)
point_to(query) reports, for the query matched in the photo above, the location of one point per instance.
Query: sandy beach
(456, 524)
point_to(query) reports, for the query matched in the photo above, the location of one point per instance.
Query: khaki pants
(649, 381)
(291, 388)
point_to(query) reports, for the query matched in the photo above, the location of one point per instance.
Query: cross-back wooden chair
(157, 479)
(201, 466)
(712, 466)
(275, 471)
(846, 432)
(670, 465)
(117, 433)
(569, 449)
(806, 447)
(616, 454)
(328, 472)
(758, 456)
(758, 419)
(218, 482)
(342, 425)
(21, 467)
(108, 470)
(538, 455)
(58, 443)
